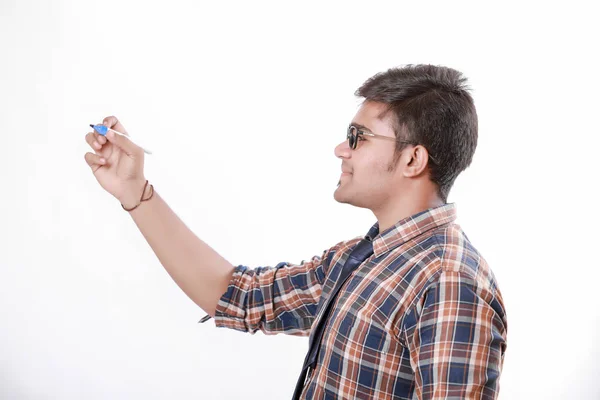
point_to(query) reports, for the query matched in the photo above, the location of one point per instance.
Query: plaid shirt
(421, 318)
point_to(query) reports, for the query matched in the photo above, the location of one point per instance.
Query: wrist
(133, 193)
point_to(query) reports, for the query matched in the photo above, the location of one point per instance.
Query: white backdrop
(242, 104)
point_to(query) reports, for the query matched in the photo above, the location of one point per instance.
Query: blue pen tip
(101, 129)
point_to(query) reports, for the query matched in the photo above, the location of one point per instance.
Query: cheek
(374, 170)
(378, 169)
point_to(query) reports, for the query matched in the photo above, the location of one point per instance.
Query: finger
(123, 142)
(92, 139)
(94, 160)
(113, 123)
(99, 138)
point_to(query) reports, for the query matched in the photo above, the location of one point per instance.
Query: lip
(346, 173)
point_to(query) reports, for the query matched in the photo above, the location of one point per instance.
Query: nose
(343, 150)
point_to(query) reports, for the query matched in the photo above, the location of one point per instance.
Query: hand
(117, 163)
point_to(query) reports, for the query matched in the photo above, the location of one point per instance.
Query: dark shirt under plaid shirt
(422, 318)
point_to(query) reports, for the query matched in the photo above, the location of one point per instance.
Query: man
(418, 314)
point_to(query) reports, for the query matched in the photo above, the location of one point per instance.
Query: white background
(242, 104)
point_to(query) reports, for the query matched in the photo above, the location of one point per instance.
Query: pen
(102, 130)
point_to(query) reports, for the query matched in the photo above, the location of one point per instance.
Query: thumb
(123, 142)
(114, 123)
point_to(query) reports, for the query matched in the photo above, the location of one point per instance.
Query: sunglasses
(355, 135)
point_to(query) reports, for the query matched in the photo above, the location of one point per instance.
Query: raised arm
(201, 272)
(118, 164)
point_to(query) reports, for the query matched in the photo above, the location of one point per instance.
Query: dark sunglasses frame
(354, 135)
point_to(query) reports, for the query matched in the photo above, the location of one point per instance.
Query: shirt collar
(410, 227)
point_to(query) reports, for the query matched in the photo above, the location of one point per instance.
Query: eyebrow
(361, 127)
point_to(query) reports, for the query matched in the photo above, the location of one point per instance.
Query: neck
(405, 206)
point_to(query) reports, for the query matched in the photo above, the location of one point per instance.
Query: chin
(350, 198)
(339, 196)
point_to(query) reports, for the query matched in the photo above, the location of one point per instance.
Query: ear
(415, 159)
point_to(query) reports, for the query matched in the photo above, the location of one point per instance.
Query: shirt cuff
(230, 310)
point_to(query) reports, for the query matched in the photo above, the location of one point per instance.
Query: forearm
(198, 270)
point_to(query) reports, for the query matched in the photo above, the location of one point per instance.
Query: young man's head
(425, 124)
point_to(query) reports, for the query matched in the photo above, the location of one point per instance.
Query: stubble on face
(373, 165)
